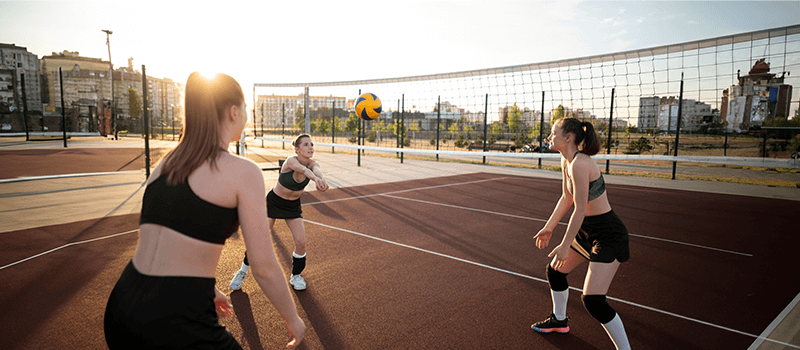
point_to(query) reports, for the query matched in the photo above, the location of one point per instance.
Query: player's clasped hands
(321, 185)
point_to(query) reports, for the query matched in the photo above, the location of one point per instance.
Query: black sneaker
(551, 324)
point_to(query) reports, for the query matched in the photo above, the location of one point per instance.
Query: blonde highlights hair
(206, 101)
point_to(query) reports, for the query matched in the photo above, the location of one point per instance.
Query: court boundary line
(68, 245)
(566, 224)
(775, 323)
(389, 194)
(545, 281)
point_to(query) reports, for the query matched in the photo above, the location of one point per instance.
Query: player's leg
(559, 292)
(241, 274)
(299, 255)
(595, 287)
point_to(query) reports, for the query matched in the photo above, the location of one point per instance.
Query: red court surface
(444, 263)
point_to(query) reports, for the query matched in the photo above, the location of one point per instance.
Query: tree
(351, 125)
(453, 129)
(514, 118)
(497, 129)
(639, 146)
(134, 103)
(323, 126)
(558, 114)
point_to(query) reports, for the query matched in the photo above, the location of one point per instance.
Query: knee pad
(298, 264)
(598, 307)
(558, 281)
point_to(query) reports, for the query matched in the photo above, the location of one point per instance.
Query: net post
(25, 108)
(401, 126)
(610, 127)
(438, 121)
(333, 125)
(146, 125)
(485, 126)
(63, 111)
(678, 128)
(541, 131)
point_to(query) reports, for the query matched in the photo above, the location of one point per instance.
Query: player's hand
(297, 329)
(543, 238)
(321, 185)
(223, 304)
(560, 254)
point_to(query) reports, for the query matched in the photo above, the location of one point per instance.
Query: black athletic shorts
(602, 238)
(279, 208)
(155, 312)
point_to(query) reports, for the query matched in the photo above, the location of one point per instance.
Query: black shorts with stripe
(602, 238)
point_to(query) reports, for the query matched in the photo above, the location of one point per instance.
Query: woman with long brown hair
(594, 233)
(196, 198)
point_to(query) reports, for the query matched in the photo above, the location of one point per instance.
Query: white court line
(545, 281)
(774, 324)
(68, 245)
(561, 223)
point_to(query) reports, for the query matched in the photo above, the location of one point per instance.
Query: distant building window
(19, 64)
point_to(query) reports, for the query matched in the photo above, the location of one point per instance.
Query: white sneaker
(298, 282)
(236, 282)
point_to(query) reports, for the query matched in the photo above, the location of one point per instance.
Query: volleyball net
(736, 98)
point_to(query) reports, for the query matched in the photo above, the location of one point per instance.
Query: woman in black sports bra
(197, 197)
(283, 202)
(595, 233)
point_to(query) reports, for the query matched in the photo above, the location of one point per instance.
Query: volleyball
(368, 106)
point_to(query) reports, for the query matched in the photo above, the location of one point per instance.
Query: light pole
(113, 116)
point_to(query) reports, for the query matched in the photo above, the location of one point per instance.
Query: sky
(322, 41)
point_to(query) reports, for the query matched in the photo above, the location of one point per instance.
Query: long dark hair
(206, 102)
(585, 137)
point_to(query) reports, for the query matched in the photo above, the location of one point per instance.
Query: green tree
(496, 129)
(514, 118)
(351, 124)
(323, 126)
(642, 145)
(453, 129)
(557, 114)
(337, 124)
(134, 103)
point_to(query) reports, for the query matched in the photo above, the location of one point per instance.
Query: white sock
(616, 331)
(560, 303)
(244, 267)
(298, 256)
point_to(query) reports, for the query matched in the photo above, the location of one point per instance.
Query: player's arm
(564, 203)
(322, 185)
(266, 270)
(580, 197)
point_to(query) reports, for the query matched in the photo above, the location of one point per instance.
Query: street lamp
(113, 117)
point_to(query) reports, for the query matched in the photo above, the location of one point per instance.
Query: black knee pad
(298, 265)
(598, 307)
(558, 281)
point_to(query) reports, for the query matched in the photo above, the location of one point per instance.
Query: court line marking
(777, 321)
(565, 224)
(68, 245)
(545, 281)
(389, 194)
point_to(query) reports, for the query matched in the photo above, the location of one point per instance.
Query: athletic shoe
(298, 282)
(236, 282)
(551, 324)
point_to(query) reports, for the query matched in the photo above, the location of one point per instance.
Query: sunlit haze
(317, 41)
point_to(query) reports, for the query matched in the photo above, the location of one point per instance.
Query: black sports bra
(287, 180)
(180, 209)
(596, 187)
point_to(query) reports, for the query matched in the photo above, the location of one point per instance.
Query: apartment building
(16, 64)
